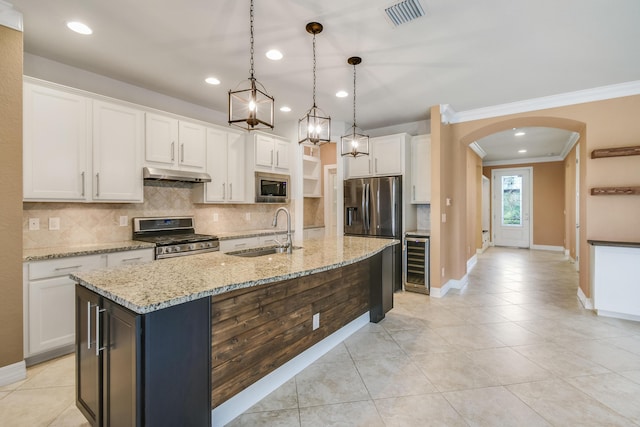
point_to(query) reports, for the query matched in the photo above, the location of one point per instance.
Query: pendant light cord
(314, 70)
(251, 38)
(354, 96)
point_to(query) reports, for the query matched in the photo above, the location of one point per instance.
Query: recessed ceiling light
(285, 109)
(212, 81)
(521, 133)
(522, 151)
(274, 55)
(79, 28)
(342, 94)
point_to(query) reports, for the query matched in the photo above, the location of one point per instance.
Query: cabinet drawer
(274, 239)
(237, 244)
(129, 257)
(64, 266)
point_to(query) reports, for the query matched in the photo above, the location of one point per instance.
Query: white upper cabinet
(226, 165)
(421, 169)
(386, 157)
(78, 149)
(56, 141)
(118, 137)
(271, 153)
(174, 144)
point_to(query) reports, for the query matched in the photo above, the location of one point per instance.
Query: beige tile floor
(514, 348)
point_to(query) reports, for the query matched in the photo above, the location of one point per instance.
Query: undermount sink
(255, 252)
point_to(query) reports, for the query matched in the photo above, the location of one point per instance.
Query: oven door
(272, 188)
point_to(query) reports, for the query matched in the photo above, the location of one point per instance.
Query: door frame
(530, 200)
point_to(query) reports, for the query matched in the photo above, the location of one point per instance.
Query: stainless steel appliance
(373, 208)
(173, 236)
(272, 188)
(416, 262)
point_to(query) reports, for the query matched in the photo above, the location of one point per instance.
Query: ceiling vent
(404, 11)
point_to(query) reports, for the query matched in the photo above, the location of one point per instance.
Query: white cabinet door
(51, 314)
(264, 151)
(281, 163)
(56, 137)
(161, 138)
(216, 190)
(118, 138)
(226, 165)
(236, 167)
(421, 169)
(192, 147)
(387, 159)
(359, 166)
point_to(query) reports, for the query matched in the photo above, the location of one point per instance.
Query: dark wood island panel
(256, 330)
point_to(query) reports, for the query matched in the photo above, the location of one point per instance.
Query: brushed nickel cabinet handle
(173, 146)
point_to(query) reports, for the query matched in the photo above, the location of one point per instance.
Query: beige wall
(11, 350)
(601, 124)
(548, 201)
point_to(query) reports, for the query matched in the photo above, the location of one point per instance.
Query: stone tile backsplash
(87, 223)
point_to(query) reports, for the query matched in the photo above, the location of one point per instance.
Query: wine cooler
(416, 263)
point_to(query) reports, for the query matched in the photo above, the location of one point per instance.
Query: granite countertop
(79, 250)
(612, 243)
(144, 288)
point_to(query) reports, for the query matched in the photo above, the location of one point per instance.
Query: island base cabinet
(142, 370)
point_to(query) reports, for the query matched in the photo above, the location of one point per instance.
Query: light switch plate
(124, 220)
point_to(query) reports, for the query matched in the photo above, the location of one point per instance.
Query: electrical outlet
(442, 271)
(444, 217)
(215, 217)
(34, 224)
(316, 321)
(247, 216)
(54, 223)
(124, 220)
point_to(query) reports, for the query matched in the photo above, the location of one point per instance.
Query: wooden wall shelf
(615, 191)
(616, 152)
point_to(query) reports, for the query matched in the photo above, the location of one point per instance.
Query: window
(512, 200)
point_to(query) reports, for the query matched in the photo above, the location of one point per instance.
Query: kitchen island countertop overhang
(145, 288)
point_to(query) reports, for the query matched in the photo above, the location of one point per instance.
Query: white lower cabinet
(230, 245)
(49, 299)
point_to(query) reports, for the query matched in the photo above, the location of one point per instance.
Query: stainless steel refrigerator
(373, 208)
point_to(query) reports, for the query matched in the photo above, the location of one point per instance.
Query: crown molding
(449, 115)
(573, 139)
(524, 161)
(9, 17)
(478, 149)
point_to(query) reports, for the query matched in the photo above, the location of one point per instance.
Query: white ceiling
(466, 53)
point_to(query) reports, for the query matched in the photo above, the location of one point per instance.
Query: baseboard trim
(615, 315)
(548, 248)
(51, 354)
(451, 284)
(12, 373)
(586, 302)
(257, 391)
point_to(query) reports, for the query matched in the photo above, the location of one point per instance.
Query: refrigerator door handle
(367, 211)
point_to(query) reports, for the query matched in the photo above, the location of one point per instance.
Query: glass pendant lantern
(355, 143)
(315, 126)
(250, 106)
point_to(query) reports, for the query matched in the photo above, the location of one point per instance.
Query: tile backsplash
(86, 223)
(424, 217)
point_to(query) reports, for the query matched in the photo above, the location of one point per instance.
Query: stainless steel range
(173, 236)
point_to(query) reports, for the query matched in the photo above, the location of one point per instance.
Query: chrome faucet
(288, 245)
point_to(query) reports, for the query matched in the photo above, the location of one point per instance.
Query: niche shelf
(615, 191)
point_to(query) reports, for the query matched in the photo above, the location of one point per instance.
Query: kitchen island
(216, 319)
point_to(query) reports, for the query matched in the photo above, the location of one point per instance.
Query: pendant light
(315, 126)
(251, 108)
(355, 143)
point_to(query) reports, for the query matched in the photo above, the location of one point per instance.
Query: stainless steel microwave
(272, 188)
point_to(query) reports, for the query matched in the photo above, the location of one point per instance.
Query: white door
(511, 207)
